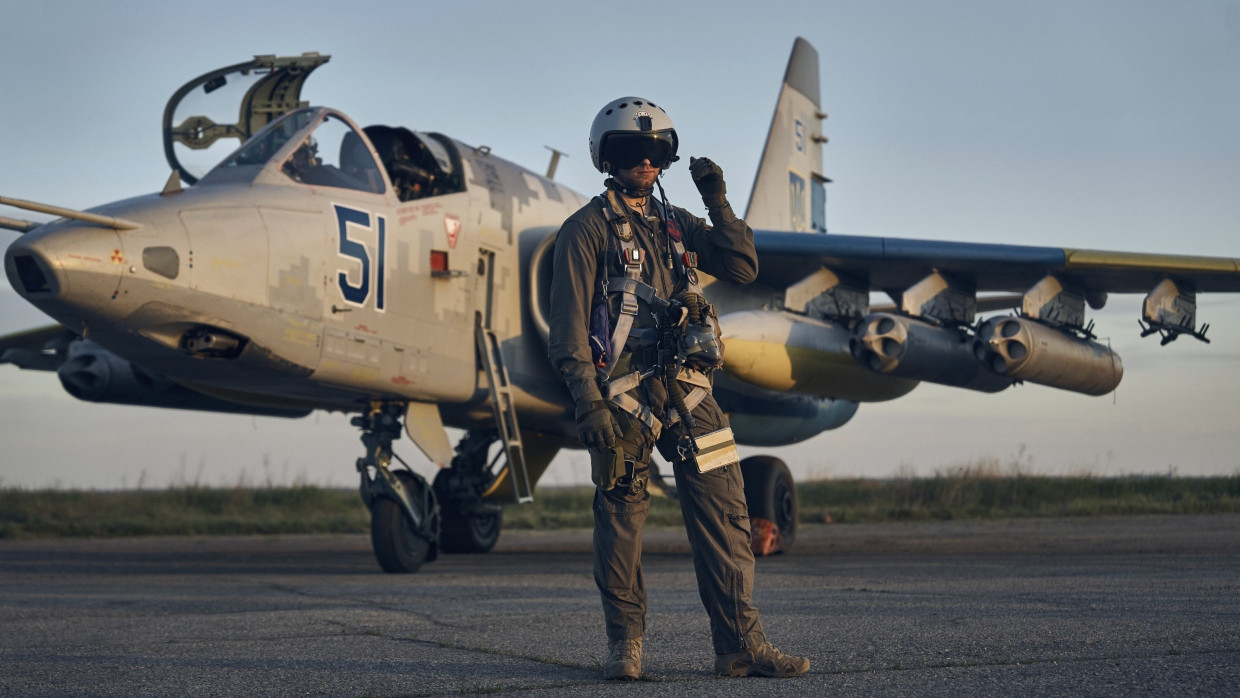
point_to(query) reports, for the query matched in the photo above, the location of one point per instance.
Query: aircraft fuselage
(258, 288)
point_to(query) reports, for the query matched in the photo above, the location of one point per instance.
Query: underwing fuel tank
(898, 345)
(94, 374)
(1030, 351)
(785, 352)
(767, 418)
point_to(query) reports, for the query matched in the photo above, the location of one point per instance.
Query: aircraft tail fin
(788, 191)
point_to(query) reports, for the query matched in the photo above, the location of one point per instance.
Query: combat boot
(763, 660)
(624, 660)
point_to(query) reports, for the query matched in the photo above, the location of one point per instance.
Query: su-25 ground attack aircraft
(403, 276)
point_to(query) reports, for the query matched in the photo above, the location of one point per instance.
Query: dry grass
(985, 489)
(189, 510)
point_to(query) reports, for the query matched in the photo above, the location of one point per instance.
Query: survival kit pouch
(600, 335)
(607, 467)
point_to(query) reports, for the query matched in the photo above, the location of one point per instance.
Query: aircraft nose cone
(66, 267)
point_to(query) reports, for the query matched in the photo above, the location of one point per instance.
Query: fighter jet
(297, 261)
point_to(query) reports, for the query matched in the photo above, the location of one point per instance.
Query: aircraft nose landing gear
(404, 513)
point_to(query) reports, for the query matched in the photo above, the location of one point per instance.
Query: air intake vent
(32, 277)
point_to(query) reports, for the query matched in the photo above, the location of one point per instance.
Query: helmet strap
(631, 192)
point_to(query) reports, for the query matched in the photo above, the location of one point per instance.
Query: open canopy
(205, 115)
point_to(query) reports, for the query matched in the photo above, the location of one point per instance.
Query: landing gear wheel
(771, 495)
(467, 527)
(398, 548)
(470, 533)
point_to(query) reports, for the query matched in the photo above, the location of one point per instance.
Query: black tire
(470, 534)
(463, 533)
(397, 547)
(771, 494)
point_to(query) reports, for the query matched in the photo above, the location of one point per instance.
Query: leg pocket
(741, 523)
(618, 519)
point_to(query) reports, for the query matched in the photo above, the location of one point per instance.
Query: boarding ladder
(505, 411)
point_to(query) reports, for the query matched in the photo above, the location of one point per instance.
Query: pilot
(636, 343)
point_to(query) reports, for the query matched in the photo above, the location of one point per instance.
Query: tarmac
(1112, 606)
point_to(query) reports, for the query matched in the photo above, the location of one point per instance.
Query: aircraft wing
(814, 331)
(896, 264)
(824, 339)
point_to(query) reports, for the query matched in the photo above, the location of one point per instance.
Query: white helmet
(629, 130)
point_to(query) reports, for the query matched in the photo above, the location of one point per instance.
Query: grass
(959, 494)
(970, 492)
(183, 510)
(956, 496)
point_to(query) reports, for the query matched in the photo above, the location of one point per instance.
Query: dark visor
(627, 150)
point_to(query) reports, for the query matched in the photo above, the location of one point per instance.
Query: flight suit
(713, 503)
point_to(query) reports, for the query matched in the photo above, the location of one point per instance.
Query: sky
(1103, 125)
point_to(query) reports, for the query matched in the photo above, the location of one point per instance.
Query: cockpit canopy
(213, 113)
(321, 147)
(258, 103)
(313, 146)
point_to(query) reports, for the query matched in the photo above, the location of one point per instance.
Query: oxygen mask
(699, 343)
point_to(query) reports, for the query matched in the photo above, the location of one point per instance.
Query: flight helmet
(629, 130)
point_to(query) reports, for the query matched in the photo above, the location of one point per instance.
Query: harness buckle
(632, 257)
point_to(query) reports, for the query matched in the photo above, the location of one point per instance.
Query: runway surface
(1109, 606)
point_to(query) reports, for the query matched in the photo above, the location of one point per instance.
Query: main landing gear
(470, 525)
(411, 521)
(772, 498)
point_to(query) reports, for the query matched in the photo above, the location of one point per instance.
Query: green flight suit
(713, 503)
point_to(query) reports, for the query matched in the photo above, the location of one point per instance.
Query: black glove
(709, 180)
(596, 428)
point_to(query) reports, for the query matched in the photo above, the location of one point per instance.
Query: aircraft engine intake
(1030, 351)
(94, 374)
(898, 345)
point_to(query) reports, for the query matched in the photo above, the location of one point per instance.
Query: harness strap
(619, 389)
(632, 256)
(685, 262)
(701, 388)
(692, 400)
(637, 287)
(643, 413)
(626, 383)
(632, 288)
(638, 411)
(628, 303)
(693, 377)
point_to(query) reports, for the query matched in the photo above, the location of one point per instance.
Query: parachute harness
(687, 345)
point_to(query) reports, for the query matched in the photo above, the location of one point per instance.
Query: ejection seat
(418, 165)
